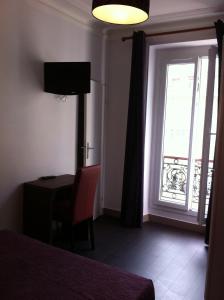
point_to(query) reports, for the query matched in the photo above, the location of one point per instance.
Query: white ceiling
(162, 7)
(160, 10)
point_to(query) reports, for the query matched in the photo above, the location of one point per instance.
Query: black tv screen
(67, 78)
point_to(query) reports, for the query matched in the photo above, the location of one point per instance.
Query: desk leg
(37, 214)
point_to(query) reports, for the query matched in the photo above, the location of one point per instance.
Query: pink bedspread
(32, 270)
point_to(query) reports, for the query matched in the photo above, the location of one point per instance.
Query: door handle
(87, 150)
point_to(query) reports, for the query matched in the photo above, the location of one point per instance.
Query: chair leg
(72, 237)
(57, 227)
(58, 231)
(91, 234)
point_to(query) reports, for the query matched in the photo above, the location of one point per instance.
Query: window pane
(212, 139)
(179, 92)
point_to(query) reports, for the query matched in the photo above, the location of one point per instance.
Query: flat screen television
(67, 78)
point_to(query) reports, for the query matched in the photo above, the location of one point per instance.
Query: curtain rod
(171, 32)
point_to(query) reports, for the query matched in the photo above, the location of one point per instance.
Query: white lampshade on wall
(123, 12)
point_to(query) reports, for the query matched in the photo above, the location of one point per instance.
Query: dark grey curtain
(219, 25)
(132, 195)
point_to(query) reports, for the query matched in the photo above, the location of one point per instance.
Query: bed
(32, 270)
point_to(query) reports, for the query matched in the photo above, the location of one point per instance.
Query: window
(184, 119)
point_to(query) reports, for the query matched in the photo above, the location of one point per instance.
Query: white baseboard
(161, 220)
(111, 212)
(174, 223)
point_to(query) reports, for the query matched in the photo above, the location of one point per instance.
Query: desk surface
(52, 184)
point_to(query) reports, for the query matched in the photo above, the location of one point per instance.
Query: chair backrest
(86, 181)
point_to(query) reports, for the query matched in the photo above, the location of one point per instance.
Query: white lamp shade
(121, 12)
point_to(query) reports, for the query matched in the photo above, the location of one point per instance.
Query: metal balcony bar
(174, 181)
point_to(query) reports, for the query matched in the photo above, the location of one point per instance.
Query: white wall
(118, 79)
(37, 132)
(118, 73)
(148, 128)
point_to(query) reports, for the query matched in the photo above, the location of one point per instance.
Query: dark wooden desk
(38, 201)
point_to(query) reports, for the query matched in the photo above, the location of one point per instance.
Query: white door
(93, 133)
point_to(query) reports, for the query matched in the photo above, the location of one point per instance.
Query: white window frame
(207, 133)
(164, 56)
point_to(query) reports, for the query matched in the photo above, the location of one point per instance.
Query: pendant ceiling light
(121, 11)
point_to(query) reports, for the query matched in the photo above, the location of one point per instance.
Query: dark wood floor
(174, 259)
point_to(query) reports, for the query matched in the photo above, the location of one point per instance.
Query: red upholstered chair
(79, 207)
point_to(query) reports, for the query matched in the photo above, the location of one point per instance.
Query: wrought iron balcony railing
(174, 181)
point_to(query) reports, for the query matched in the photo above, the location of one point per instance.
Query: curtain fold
(132, 194)
(219, 25)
